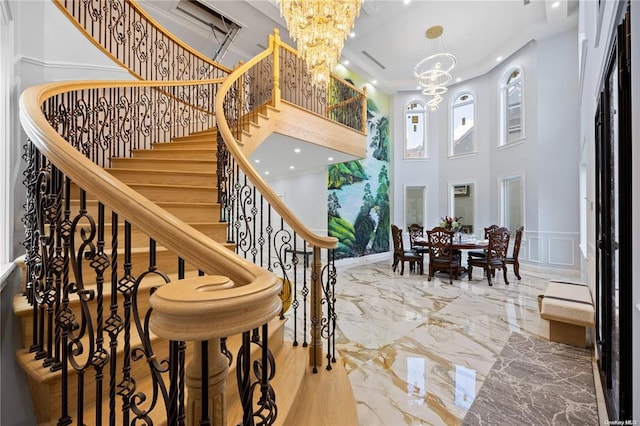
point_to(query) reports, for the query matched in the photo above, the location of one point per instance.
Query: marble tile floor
(418, 351)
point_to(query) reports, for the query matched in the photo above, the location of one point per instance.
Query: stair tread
(165, 160)
(159, 203)
(161, 185)
(180, 172)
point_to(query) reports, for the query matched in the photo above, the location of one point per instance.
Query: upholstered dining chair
(441, 256)
(400, 255)
(482, 254)
(496, 255)
(417, 231)
(513, 259)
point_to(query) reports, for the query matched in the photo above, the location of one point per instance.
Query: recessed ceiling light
(555, 4)
(297, 150)
(330, 158)
(292, 167)
(458, 79)
(374, 82)
(345, 62)
(266, 173)
(499, 58)
(352, 34)
(418, 87)
(407, 1)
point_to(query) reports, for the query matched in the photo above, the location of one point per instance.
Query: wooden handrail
(196, 248)
(272, 198)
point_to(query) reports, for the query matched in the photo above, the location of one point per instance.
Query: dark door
(613, 229)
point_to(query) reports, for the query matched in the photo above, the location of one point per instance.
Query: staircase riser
(203, 144)
(193, 154)
(132, 177)
(166, 193)
(187, 213)
(161, 194)
(198, 137)
(175, 164)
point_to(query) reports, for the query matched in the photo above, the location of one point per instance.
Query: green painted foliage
(347, 173)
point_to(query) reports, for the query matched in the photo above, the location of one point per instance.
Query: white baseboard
(352, 261)
(550, 270)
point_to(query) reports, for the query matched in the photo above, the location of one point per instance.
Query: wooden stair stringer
(298, 123)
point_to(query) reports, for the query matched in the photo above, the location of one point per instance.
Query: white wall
(306, 196)
(47, 48)
(548, 158)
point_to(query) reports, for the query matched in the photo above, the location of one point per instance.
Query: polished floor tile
(418, 351)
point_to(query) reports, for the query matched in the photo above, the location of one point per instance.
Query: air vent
(526, 2)
(224, 29)
(365, 53)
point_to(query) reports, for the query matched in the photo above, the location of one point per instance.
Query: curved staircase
(110, 331)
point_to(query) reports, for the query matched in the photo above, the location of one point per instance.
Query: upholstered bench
(569, 308)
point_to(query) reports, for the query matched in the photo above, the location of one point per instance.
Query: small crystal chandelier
(434, 71)
(320, 27)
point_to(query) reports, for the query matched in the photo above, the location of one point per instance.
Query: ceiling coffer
(224, 29)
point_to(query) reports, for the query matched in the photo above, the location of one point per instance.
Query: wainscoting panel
(561, 251)
(535, 249)
(552, 249)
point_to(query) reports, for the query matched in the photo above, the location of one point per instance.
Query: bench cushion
(568, 302)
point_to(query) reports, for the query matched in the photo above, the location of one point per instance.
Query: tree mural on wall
(359, 219)
(379, 129)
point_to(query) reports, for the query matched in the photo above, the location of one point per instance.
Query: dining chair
(496, 255)
(513, 259)
(400, 255)
(482, 254)
(417, 231)
(441, 256)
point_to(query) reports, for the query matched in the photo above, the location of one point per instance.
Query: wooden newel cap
(202, 308)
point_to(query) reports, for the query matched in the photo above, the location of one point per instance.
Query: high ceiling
(390, 34)
(389, 41)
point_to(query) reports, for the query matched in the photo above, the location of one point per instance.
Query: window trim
(450, 153)
(404, 131)
(502, 114)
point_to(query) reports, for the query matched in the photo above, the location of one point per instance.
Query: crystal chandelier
(320, 27)
(434, 71)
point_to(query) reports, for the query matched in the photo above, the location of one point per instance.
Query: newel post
(315, 352)
(207, 360)
(276, 67)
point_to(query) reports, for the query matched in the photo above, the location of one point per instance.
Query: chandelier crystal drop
(319, 28)
(434, 71)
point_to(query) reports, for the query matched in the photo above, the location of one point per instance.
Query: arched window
(415, 130)
(512, 107)
(462, 125)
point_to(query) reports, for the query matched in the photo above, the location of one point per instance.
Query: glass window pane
(463, 126)
(414, 205)
(514, 112)
(512, 202)
(415, 131)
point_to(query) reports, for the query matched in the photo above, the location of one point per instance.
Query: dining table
(456, 245)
